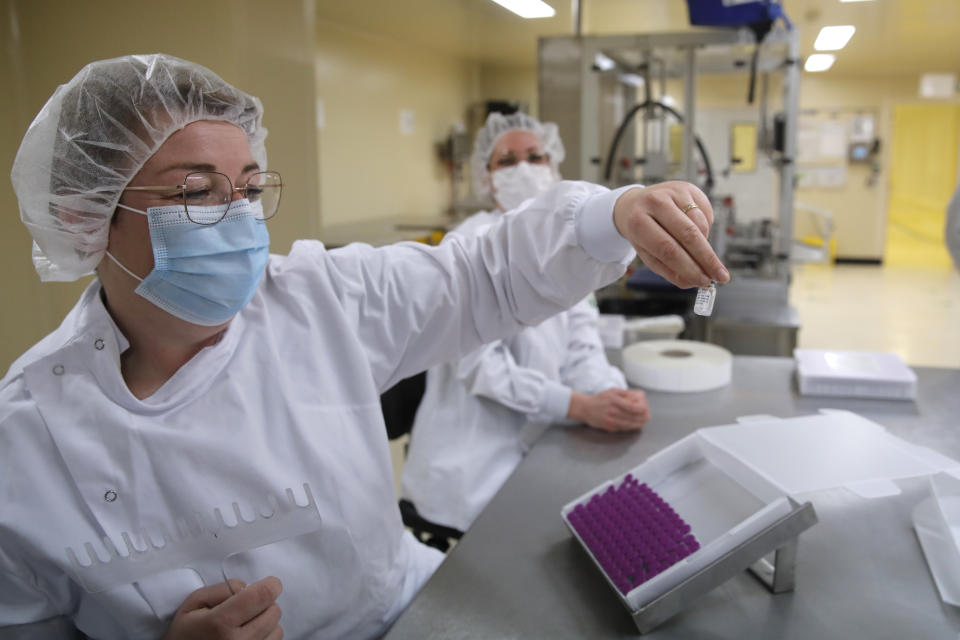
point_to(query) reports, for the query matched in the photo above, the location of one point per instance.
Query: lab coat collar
(93, 347)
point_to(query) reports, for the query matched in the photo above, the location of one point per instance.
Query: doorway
(923, 175)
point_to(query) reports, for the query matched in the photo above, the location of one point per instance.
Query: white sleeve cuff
(556, 400)
(596, 232)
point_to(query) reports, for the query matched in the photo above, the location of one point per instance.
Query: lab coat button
(98, 344)
(58, 369)
(110, 495)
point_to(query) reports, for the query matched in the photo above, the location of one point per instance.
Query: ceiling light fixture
(631, 79)
(819, 62)
(528, 8)
(603, 62)
(833, 38)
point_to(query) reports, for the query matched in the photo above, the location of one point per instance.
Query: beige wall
(602, 17)
(369, 168)
(860, 211)
(499, 82)
(266, 50)
(860, 207)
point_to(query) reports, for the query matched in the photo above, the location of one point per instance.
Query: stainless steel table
(860, 571)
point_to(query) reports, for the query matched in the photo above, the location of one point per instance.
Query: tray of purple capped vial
(632, 532)
(682, 523)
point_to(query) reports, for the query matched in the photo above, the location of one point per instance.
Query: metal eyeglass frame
(242, 190)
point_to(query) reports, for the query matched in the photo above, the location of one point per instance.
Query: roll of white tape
(677, 365)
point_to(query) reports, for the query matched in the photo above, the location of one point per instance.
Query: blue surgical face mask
(204, 274)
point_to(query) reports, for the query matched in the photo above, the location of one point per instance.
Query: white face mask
(513, 185)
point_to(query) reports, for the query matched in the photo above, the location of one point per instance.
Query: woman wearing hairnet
(479, 413)
(199, 370)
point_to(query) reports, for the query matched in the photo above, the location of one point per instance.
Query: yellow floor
(913, 311)
(910, 305)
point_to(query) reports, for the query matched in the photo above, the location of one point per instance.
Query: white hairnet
(498, 124)
(93, 136)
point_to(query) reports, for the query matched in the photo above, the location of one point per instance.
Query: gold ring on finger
(692, 205)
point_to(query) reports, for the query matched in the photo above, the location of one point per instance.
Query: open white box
(937, 523)
(732, 482)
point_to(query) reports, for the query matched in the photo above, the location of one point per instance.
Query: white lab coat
(952, 231)
(289, 395)
(479, 414)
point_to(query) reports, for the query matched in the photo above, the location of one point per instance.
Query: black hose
(760, 30)
(753, 73)
(608, 167)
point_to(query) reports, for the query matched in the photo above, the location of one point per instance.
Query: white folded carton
(854, 374)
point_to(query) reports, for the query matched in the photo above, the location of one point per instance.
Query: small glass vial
(706, 296)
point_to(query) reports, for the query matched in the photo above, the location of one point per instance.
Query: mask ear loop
(110, 255)
(140, 211)
(117, 262)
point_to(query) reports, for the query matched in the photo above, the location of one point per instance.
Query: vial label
(705, 299)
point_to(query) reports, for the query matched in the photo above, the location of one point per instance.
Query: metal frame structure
(584, 100)
(779, 576)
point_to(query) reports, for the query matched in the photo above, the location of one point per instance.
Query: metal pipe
(788, 167)
(589, 111)
(764, 142)
(648, 112)
(577, 16)
(664, 122)
(689, 108)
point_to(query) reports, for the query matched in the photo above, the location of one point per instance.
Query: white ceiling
(893, 38)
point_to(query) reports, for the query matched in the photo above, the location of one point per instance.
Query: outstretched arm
(417, 306)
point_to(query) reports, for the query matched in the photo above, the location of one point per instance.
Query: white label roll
(677, 365)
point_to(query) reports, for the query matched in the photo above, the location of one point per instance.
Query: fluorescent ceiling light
(631, 79)
(833, 38)
(528, 8)
(819, 62)
(603, 62)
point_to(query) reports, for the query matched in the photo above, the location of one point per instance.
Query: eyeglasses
(213, 189)
(510, 159)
